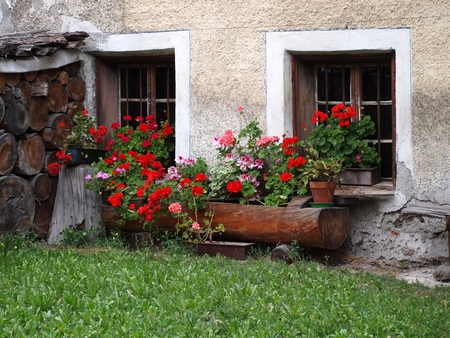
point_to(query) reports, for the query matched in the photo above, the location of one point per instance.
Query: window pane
(385, 83)
(172, 112)
(134, 109)
(386, 160)
(162, 113)
(323, 108)
(370, 86)
(372, 112)
(385, 120)
(161, 82)
(134, 83)
(386, 123)
(123, 83)
(369, 83)
(172, 83)
(333, 84)
(321, 87)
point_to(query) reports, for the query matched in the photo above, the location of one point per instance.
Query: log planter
(325, 228)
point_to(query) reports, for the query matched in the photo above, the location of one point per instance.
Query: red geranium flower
(234, 186)
(185, 182)
(296, 162)
(54, 168)
(197, 190)
(200, 177)
(285, 177)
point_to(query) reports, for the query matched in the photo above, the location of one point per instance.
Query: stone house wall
(222, 62)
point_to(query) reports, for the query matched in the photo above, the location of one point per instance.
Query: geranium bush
(132, 168)
(188, 181)
(336, 135)
(250, 165)
(84, 134)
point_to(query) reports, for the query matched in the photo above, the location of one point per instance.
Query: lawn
(112, 292)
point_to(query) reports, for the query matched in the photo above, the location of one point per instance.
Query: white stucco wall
(237, 53)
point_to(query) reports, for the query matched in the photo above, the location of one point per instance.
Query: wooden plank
(382, 189)
(428, 210)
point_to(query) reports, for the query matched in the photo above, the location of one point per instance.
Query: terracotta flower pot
(322, 192)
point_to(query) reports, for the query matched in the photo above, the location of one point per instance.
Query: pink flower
(175, 208)
(267, 140)
(195, 226)
(227, 139)
(358, 158)
(240, 108)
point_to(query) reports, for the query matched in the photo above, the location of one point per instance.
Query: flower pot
(359, 176)
(322, 192)
(234, 250)
(84, 156)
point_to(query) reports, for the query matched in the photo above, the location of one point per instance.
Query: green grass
(111, 292)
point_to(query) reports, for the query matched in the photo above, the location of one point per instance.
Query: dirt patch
(411, 272)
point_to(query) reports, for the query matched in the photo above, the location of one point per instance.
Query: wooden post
(74, 204)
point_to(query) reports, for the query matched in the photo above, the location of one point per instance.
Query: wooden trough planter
(325, 228)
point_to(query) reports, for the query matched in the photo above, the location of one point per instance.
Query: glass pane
(385, 83)
(161, 112)
(337, 81)
(134, 81)
(372, 112)
(161, 82)
(321, 87)
(386, 122)
(172, 112)
(123, 83)
(369, 83)
(386, 160)
(172, 83)
(123, 112)
(165, 112)
(322, 108)
(134, 109)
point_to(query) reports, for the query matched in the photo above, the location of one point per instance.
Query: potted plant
(336, 135)
(81, 142)
(322, 175)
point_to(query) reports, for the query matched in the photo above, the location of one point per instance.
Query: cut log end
(16, 204)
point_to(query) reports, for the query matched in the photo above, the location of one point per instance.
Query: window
(147, 89)
(364, 81)
(284, 48)
(136, 87)
(142, 49)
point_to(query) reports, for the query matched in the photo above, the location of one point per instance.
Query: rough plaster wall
(228, 70)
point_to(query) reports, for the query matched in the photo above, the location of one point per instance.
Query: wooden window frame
(304, 86)
(108, 84)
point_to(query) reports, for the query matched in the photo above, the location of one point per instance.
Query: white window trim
(281, 45)
(158, 43)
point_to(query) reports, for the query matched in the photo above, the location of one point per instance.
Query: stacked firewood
(36, 110)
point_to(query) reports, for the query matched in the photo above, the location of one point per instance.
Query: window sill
(349, 194)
